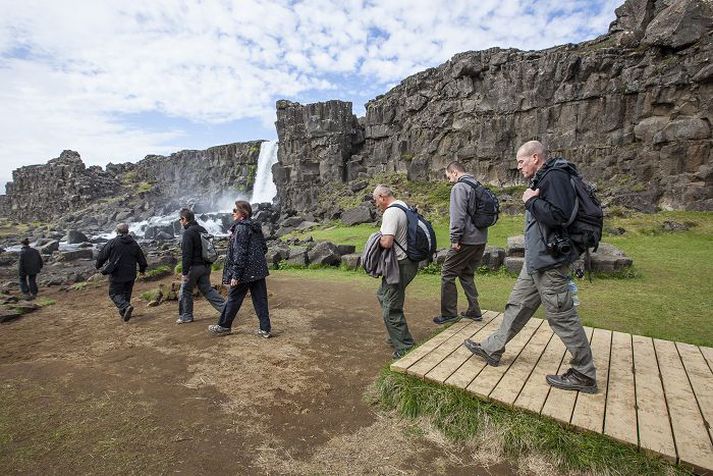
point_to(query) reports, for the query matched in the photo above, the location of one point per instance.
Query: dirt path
(83, 392)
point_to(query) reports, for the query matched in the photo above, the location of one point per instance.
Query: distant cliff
(632, 108)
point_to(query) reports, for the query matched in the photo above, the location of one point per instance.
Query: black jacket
(546, 215)
(128, 253)
(191, 248)
(30, 261)
(245, 260)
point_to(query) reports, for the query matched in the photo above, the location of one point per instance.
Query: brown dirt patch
(83, 392)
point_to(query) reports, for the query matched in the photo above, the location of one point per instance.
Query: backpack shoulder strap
(405, 210)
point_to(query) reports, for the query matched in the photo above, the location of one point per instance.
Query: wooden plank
(560, 403)
(590, 407)
(654, 426)
(474, 364)
(419, 352)
(433, 358)
(456, 359)
(689, 431)
(534, 393)
(512, 382)
(486, 380)
(701, 378)
(620, 418)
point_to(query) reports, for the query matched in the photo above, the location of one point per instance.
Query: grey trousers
(198, 275)
(460, 264)
(391, 297)
(550, 289)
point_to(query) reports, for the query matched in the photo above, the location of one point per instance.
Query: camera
(558, 246)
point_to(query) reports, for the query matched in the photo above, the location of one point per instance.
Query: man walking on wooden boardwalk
(544, 278)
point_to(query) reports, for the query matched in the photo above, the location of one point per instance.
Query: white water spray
(264, 189)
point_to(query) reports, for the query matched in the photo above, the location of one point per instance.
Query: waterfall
(264, 189)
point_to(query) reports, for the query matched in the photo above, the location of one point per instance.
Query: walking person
(549, 202)
(467, 247)
(245, 270)
(29, 267)
(118, 258)
(391, 296)
(195, 269)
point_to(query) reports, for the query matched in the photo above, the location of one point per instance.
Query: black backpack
(584, 227)
(487, 206)
(420, 237)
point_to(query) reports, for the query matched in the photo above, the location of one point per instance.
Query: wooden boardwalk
(654, 394)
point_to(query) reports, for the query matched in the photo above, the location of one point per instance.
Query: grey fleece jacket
(378, 261)
(462, 229)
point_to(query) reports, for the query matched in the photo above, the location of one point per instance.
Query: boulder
(163, 236)
(324, 253)
(153, 230)
(357, 215)
(277, 252)
(493, 258)
(351, 261)
(516, 246)
(75, 255)
(298, 256)
(75, 236)
(514, 264)
(681, 24)
(346, 249)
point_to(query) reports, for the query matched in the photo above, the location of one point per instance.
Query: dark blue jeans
(31, 287)
(258, 293)
(120, 294)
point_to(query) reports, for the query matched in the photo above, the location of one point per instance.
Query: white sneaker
(219, 330)
(263, 334)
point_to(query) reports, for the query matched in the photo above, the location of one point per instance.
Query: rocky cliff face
(632, 108)
(131, 192)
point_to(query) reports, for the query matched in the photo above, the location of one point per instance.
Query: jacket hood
(254, 226)
(126, 239)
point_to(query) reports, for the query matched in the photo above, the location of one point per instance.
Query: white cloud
(69, 71)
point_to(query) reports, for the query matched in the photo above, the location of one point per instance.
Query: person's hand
(455, 246)
(529, 193)
(234, 282)
(184, 278)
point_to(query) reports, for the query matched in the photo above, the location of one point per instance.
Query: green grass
(151, 295)
(515, 434)
(669, 293)
(158, 272)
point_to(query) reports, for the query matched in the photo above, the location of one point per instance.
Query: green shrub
(151, 295)
(158, 272)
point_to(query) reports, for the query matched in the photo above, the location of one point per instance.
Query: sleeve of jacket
(103, 254)
(21, 264)
(555, 203)
(458, 211)
(141, 259)
(39, 257)
(241, 250)
(186, 251)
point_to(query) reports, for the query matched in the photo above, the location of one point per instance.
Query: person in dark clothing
(245, 270)
(196, 271)
(544, 278)
(29, 267)
(121, 255)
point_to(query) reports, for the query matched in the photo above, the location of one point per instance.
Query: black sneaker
(445, 319)
(475, 317)
(127, 313)
(475, 348)
(573, 380)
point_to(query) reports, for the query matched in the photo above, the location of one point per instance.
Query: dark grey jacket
(191, 247)
(127, 253)
(245, 260)
(30, 261)
(462, 206)
(545, 215)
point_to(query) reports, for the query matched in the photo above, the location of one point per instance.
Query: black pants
(258, 293)
(120, 294)
(32, 287)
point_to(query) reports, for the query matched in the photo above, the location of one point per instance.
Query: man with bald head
(549, 202)
(394, 228)
(118, 259)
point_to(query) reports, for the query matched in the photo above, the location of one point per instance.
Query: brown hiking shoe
(573, 380)
(475, 348)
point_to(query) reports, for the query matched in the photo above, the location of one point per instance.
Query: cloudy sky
(117, 80)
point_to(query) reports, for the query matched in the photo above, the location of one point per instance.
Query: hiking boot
(475, 317)
(573, 380)
(400, 353)
(180, 320)
(263, 334)
(219, 330)
(445, 319)
(126, 315)
(475, 348)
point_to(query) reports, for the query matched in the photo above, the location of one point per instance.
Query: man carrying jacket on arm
(549, 202)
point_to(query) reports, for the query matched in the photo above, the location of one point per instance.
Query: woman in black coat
(245, 270)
